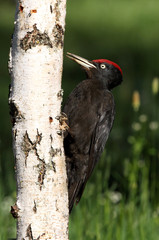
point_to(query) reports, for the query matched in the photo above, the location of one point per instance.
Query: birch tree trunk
(36, 59)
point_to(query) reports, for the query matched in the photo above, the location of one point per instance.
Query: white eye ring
(102, 66)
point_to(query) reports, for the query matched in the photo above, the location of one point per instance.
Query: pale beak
(82, 61)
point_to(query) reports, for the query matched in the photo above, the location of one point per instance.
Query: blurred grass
(108, 215)
(121, 199)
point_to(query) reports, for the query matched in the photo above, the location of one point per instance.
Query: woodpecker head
(101, 69)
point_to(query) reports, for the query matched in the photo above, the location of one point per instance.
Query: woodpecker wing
(90, 113)
(99, 136)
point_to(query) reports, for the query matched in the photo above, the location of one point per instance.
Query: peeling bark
(36, 58)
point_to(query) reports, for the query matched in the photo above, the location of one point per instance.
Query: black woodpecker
(90, 115)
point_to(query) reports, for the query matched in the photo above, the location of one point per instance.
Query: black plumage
(90, 112)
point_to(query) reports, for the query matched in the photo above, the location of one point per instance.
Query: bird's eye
(102, 66)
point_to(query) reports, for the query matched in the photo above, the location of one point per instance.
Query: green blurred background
(121, 200)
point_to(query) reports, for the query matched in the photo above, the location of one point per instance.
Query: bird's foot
(63, 125)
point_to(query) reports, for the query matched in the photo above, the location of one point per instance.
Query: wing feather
(99, 138)
(90, 118)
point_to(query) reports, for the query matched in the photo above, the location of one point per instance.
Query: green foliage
(121, 198)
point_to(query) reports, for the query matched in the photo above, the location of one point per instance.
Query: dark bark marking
(58, 34)
(29, 145)
(50, 120)
(35, 38)
(14, 211)
(53, 153)
(42, 171)
(15, 133)
(33, 11)
(63, 125)
(29, 233)
(43, 234)
(21, 8)
(51, 138)
(56, 205)
(15, 113)
(38, 137)
(51, 9)
(35, 208)
(53, 166)
(58, 31)
(57, 10)
(60, 94)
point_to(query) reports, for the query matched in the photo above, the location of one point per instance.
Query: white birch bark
(36, 59)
